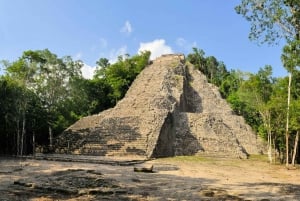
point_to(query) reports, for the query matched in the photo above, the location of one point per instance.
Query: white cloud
(87, 71)
(186, 45)
(157, 48)
(127, 28)
(115, 53)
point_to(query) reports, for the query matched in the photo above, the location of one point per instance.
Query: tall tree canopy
(42, 93)
(270, 21)
(121, 74)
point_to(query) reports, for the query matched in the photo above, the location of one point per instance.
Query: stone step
(170, 106)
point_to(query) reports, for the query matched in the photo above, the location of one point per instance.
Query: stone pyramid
(170, 109)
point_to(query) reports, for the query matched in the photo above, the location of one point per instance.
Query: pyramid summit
(169, 110)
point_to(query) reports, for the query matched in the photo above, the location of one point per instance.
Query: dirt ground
(179, 178)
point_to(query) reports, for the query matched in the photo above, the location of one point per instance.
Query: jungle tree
(270, 21)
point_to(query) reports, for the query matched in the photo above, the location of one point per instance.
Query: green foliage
(291, 55)
(41, 91)
(241, 107)
(270, 19)
(102, 65)
(231, 82)
(48, 91)
(247, 93)
(214, 70)
(197, 59)
(39, 83)
(99, 94)
(255, 92)
(121, 74)
(17, 104)
(257, 89)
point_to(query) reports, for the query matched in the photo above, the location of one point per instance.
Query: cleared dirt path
(179, 178)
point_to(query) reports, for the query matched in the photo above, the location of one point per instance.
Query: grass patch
(216, 161)
(259, 157)
(195, 159)
(219, 161)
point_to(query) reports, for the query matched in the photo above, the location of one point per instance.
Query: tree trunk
(23, 135)
(270, 147)
(287, 121)
(267, 123)
(33, 143)
(18, 138)
(274, 148)
(295, 148)
(50, 138)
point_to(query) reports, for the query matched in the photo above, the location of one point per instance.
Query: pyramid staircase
(170, 109)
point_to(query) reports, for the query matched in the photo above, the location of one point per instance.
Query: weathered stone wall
(217, 128)
(134, 125)
(170, 109)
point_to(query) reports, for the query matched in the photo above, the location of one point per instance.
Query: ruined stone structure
(169, 110)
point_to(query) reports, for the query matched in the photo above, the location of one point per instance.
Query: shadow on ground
(51, 180)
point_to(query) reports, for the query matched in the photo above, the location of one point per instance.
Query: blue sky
(91, 29)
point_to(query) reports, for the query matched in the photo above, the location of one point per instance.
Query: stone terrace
(169, 110)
